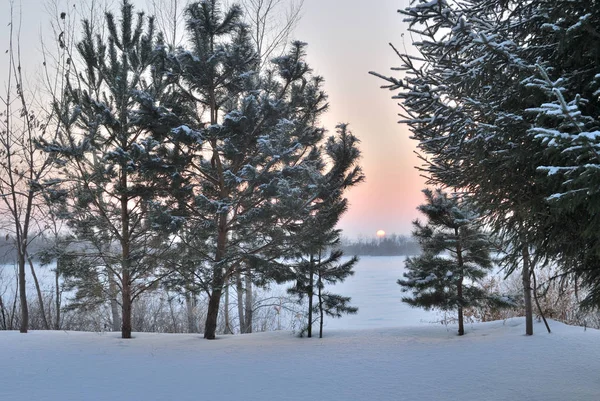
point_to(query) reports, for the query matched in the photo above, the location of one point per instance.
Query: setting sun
(380, 234)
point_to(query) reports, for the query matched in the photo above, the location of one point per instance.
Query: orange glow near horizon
(380, 234)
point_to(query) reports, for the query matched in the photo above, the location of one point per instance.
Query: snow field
(386, 352)
(494, 361)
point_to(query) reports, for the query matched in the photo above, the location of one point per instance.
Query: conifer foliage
(501, 98)
(249, 139)
(456, 255)
(318, 234)
(191, 166)
(101, 149)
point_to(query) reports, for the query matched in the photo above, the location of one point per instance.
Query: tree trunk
(212, 315)
(240, 301)
(311, 284)
(249, 302)
(14, 306)
(190, 305)
(39, 295)
(459, 258)
(527, 292)
(461, 325)
(537, 301)
(114, 305)
(227, 323)
(58, 295)
(3, 314)
(320, 292)
(24, 323)
(126, 307)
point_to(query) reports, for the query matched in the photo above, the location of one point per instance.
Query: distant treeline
(391, 245)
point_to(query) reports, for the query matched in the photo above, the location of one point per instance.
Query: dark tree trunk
(320, 294)
(249, 302)
(13, 314)
(3, 314)
(527, 292)
(227, 323)
(459, 258)
(58, 295)
(212, 315)
(461, 324)
(39, 295)
(24, 323)
(126, 308)
(125, 250)
(239, 287)
(537, 301)
(190, 305)
(114, 305)
(311, 285)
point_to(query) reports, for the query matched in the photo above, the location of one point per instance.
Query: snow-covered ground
(386, 352)
(374, 291)
(494, 361)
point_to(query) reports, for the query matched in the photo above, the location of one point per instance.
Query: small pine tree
(318, 233)
(456, 256)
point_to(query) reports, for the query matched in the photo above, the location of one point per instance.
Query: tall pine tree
(101, 151)
(248, 141)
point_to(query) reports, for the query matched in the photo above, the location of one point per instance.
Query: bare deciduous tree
(23, 167)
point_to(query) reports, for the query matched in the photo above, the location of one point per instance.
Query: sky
(346, 39)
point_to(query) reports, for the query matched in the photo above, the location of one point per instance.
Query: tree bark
(114, 305)
(527, 292)
(24, 323)
(461, 324)
(190, 305)
(227, 323)
(210, 328)
(39, 295)
(126, 307)
(3, 314)
(213, 312)
(125, 243)
(240, 301)
(249, 302)
(58, 295)
(320, 294)
(459, 258)
(537, 301)
(311, 284)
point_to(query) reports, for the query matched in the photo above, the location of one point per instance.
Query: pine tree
(502, 108)
(456, 255)
(245, 141)
(102, 152)
(318, 235)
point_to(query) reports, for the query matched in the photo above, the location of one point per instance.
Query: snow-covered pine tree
(566, 76)
(318, 234)
(501, 99)
(465, 100)
(456, 255)
(248, 141)
(101, 152)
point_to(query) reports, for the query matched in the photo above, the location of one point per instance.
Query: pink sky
(347, 38)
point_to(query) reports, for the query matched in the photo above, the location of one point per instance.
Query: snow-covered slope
(494, 361)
